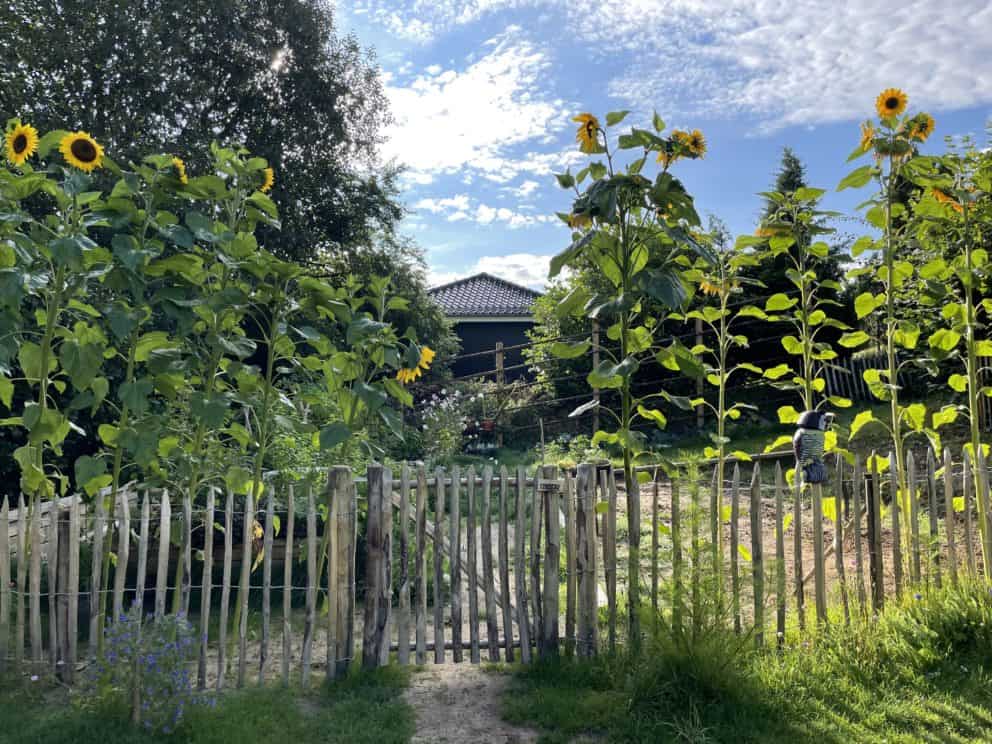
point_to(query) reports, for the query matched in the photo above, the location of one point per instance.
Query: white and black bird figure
(808, 444)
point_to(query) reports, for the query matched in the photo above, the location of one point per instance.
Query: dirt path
(459, 704)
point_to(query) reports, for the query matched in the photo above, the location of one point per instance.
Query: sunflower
(945, 198)
(588, 134)
(891, 102)
(695, 143)
(22, 141)
(867, 136)
(406, 375)
(709, 288)
(923, 126)
(270, 178)
(666, 158)
(579, 221)
(180, 167)
(81, 151)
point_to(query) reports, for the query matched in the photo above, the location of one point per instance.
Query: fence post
(500, 381)
(378, 569)
(341, 617)
(875, 559)
(585, 524)
(757, 557)
(552, 550)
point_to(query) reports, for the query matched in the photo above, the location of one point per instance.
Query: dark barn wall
(483, 336)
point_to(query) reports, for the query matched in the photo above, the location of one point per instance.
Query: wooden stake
(205, 589)
(225, 590)
(287, 588)
(439, 567)
(520, 567)
(455, 560)
(552, 552)
(585, 522)
(504, 562)
(403, 545)
(313, 581)
(488, 577)
(780, 590)
(952, 553)
(757, 557)
(263, 649)
(420, 564)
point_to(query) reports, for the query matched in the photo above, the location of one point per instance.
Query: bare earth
(460, 704)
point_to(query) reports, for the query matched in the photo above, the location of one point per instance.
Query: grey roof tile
(484, 295)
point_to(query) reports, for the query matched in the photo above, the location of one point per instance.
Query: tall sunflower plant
(794, 228)
(637, 231)
(893, 141)
(950, 214)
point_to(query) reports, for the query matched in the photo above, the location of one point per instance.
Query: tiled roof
(484, 295)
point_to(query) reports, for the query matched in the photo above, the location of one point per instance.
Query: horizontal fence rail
(467, 565)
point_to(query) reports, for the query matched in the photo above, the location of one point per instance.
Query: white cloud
(421, 21)
(474, 117)
(528, 269)
(525, 189)
(461, 207)
(436, 206)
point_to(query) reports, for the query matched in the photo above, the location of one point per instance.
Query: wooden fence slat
(123, 554)
(51, 560)
(735, 577)
(420, 565)
(403, 545)
(797, 551)
(244, 586)
(4, 583)
(455, 564)
(473, 551)
(37, 651)
(716, 501)
(967, 485)
(896, 512)
(63, 667)
(520, 566)
(780, 586)
(378, 568)
(488, 577)
(914, 518)
(819, 567)
(341, 617)
(72, 622)
(225, 590)
(757, 557)
(552, 556)
(206, 588)
(162, 567)
(504, 562)
(985, 520)
(676, 557)
(287, 587)
(933, 554)
(187, 574)
(876, 558)
(585, 524)
(263, 648)
(655, 576)
(96, 564)
(313, 581)
(839, 539)
(949, 528)
(143, 530)
(22, 586)
(609, 487)
(537, 608)
(570, 575)
(439, 567)
(857, 487)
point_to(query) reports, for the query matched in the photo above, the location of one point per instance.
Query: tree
(174, 76)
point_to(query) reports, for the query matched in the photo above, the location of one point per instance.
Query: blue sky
(482, 92)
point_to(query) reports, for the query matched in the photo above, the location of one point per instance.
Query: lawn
(362, 708)
(923, 672)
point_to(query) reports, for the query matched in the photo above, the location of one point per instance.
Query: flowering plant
(145, 666)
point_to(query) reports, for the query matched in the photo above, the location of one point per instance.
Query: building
(487, 310)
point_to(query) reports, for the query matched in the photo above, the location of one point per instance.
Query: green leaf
(860, 420)
(958, 503)
(983, 348)
(151, 342)
(944, 339)
(569, 351)
(333, 434)
(784, 440)
(946, 415)
(652, 414)
(788, 415)
(786, 521)
(829, 506)
(741, 455)
(907, 334)
(915, 415)
(958, 383)
(778, 371)
(658, 123)
(108, 434)
(856, 178)
(6, 391)
(853, 339)
(866, 303)
(778, 302)
(615, 117)
(839, 402)
(792, 345)
(745, 553)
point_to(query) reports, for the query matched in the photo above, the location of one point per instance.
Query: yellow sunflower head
(270, 179)
(427, 355)
(588, 134)
(81, 151)
(22, 142)
(709, 288)
(666, 157)
(406, 375)
(922, 127)
(891, 102)
(945, 198)
(695, 143)
(867, 136)
(180, 167)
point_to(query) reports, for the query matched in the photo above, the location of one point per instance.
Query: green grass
(362, 708)
(922, 673)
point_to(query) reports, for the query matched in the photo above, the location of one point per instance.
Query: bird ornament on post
(808, 444)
